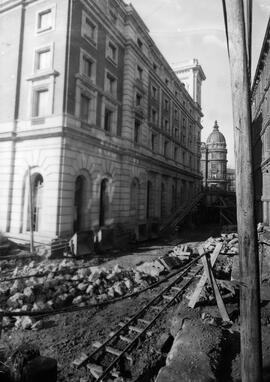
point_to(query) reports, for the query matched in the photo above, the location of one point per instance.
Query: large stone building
(261, 131)
(89, 104)
(214, 160)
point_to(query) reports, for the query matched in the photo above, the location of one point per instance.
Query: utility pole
(31, 212)
(239, 42)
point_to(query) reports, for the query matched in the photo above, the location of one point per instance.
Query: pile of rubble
(52, 286)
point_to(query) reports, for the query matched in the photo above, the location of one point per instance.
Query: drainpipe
(15, 116)
(65, 111)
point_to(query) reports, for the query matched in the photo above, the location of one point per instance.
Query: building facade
(214, 160)
(260, 96)
(91, 109)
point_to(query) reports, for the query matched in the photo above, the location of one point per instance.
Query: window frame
(37, 52)
(108, 75)
(108, 56)
(92, 40)
(83, 54)
(137, 131)
(43, 10)
(35, 91)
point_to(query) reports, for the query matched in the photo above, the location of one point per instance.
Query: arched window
(163, 201)
(104, 202)
(79, 203)
(174, 202)
(134, 197)
(37, 200)
(150, 201)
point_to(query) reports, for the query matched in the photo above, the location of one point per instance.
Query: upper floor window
(40, 102)
(175, 155)
(138, 99)
(166, 105)
(85, 106)
(89, 29)
(87, 65)
(108, 119)
(110, 84)
(139, 73)
(166, 148)
(137, 128)
(154, 92)
(45, 19)
(43, 58)
(154, 67)
(139, 43)
(112, 51)
(166, 81)
(154, 116)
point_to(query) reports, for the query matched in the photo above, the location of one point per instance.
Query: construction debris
(47, 286)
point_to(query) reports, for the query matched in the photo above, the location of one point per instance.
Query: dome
(216, 136)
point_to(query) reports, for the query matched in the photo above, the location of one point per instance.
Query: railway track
(105, 360)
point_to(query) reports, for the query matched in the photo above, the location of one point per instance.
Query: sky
(186, 29)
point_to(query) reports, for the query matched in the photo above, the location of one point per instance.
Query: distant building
(89, 104)
(214, 160)
(260, 96)
(231, 180)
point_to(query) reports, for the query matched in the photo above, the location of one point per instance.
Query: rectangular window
(154, 92)
(175, 114)
(45, 20)
(166, 148)
(139, 73)
(154, 116)
(166, 105)
(175, 153)
(43, 59)
(138, 99)
(139, 43)
(108, 116)
(153, 141)
(166, 124)
(154, 67)
(111, 84)
(85, 103)
(41, 103)
(166, 81)
(112, 51)
(87, 66)
(137, 127)
(89, 29)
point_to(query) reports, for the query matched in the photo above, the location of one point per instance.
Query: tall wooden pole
(251, 360)
(31, 212)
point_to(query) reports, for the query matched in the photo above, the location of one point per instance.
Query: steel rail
(126, 326)
(129, 346)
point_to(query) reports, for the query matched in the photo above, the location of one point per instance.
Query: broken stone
(82, 286)
(29, 295)
(17, 286)
(16, 300)
(77, 300)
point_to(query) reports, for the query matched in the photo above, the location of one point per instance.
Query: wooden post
(31, 212)
(251, 353)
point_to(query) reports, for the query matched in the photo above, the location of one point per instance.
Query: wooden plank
(80, 360)
(194, 298)
(212, 280)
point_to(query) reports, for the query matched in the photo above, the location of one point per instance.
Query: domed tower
(216, 162)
